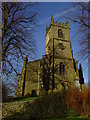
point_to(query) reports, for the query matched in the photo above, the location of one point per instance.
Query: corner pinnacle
(52, 20)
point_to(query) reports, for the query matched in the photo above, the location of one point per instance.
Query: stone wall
(31, 78)
(12, 107)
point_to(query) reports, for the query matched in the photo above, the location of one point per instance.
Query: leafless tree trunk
(18, 21)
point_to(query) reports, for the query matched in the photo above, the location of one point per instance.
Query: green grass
(27, 99)
(77, 118)
(72, 118)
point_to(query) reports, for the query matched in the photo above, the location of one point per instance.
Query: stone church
(57, 69)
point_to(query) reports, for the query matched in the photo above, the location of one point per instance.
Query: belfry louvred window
(62, 68)
(60, 33)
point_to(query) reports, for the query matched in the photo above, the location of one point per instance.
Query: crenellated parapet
(67, 24)
(59, 24)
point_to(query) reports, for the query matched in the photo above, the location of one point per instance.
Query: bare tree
(18, 21)
(81, 17)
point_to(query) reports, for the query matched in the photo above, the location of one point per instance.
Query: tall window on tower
(60, 33)
(62, 68)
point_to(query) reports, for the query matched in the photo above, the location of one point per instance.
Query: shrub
(46, 107)
(49, 106)
(4, 92)
(78, 101)
(7, 91)
(56, 105)
(72, 113)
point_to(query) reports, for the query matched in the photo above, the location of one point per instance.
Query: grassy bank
(27, 99)
(72, 118)
(48, 107)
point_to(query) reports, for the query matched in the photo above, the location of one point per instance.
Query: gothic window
(60, 33)
(62, 68)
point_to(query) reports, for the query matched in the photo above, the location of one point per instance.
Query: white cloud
(56, 15)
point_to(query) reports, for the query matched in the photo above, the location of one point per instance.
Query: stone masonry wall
(12, 107)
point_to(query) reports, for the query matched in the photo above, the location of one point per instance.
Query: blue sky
(58, 10)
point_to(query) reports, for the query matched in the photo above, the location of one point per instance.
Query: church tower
(56, 70)
(58, 45)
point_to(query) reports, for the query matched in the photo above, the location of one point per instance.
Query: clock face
(61, 46)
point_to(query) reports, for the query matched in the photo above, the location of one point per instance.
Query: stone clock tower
(58, 46)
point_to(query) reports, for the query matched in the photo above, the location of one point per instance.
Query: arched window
(62, 68)
(60, 33)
